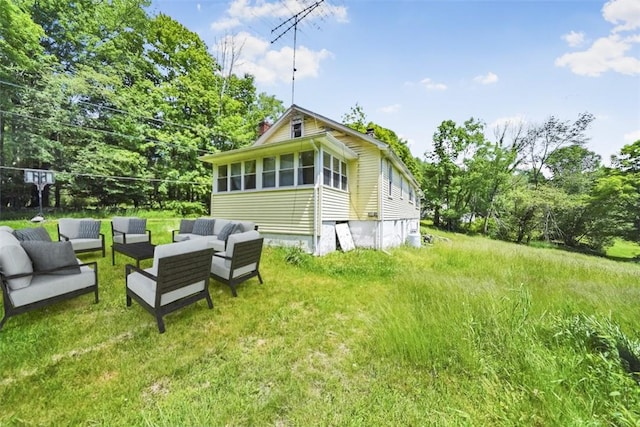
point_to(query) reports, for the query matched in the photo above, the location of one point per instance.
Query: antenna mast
(293, 23)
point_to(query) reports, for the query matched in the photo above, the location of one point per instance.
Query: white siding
(334, 204)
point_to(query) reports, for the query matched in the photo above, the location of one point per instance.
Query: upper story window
(296, 127)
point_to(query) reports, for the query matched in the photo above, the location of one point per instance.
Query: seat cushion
(131, 238)
(14, 260)
(48, 286)
(50, 255)
(84, 244)
(145, 288)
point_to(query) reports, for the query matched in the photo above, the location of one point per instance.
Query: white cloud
(198, 7)
(625, 12)
(270, 66)
(613, 52)
(632, 137)
(431, 85)
(225, 24)
(487, 79)
(244, 11)
(574, 39)
(606, 54)
(394, 108)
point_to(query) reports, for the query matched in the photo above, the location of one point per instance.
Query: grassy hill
(467, 331)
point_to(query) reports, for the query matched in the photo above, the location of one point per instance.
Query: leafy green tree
(447, 196)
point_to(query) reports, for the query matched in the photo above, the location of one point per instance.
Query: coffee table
(137, 251)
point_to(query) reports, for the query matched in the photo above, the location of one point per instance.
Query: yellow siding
(397, 206)
(278, 211)
(364, 175)
(334, 204)
(310, 127)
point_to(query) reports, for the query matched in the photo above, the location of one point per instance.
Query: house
(307, 174)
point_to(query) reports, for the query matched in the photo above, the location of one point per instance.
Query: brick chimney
(263, 126)
(371, 132)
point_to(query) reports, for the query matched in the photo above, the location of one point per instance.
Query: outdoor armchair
(129, 230)
(179, 277)
(240, 261)
(84, 234)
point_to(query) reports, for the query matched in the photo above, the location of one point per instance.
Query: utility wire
(108, 132)
(122, 178)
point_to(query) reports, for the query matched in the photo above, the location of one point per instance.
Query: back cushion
(203, 226)
(219, 225)
(69, 227)
(170, 249)
(14, 260)
(120, 223)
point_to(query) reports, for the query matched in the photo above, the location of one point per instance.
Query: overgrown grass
(467, 331)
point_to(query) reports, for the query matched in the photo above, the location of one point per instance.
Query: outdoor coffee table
(137, 251)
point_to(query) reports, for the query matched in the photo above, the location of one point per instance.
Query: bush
(187, 208)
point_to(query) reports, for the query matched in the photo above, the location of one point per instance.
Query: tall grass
(465, 332)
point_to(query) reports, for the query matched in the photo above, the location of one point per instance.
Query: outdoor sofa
(36, 272)
(216, 230)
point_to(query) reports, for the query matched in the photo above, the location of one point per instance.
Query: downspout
(316, 189)
(380, 204)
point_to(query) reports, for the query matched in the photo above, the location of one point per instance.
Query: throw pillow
(50, 255)
(32, 234)
(89, 229)
(137, 226)
(186, 226)
(227, 230)
(203, 227)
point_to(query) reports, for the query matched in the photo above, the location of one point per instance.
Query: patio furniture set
(36, 271)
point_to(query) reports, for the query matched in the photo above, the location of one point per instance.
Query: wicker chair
(240, 262)
(179, 277)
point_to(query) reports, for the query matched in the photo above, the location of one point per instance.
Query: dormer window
(296, 127)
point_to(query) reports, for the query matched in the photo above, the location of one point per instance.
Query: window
(410, 193)
(236, 177)
(326, 168)
(401, 187)
(296, 127)
(306, 169)
(268, 172)
(334, 172)
(390, 169)
(286, 170)
(250, 175)
(222, 178)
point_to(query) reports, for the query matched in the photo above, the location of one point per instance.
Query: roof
(259, 144)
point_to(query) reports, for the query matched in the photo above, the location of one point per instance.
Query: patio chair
(179, 277)
(240, 261)
(84, 234)
(129, 230)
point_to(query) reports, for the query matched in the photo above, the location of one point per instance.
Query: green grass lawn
(468, 331)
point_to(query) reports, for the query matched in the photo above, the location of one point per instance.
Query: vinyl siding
(363, 180)
(397, 205)
(278, 211)
(334, 204)
(310, 126)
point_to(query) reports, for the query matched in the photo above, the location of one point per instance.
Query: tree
(451, 143)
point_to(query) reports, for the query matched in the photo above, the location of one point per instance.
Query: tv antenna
(293, 23)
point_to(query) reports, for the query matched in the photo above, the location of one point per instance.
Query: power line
(123, 178)
(108, 132)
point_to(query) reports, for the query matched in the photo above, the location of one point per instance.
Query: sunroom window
(222, 178)
(250, 175)
(268, 172)
(286, 170)
(236, 176)
(306, 168)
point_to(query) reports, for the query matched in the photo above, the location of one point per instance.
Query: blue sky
(415, 63)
